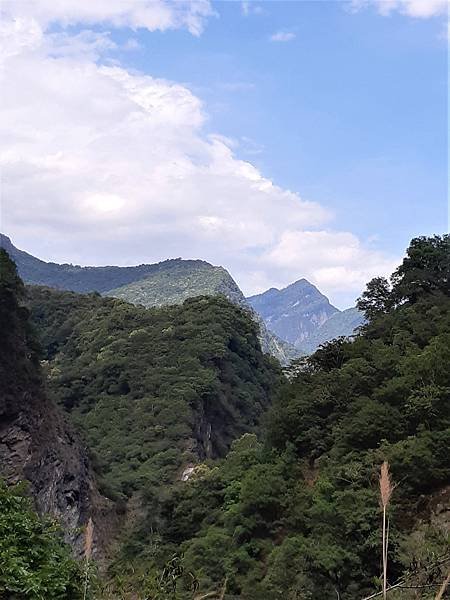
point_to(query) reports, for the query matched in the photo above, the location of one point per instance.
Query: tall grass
(386, 489)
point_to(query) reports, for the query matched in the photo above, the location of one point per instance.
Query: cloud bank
(101, 165)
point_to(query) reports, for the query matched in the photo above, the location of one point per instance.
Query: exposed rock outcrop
(36, 442)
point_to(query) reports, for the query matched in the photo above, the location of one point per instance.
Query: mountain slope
(36, 443)
(295, 312)
(188, 279)
(87, 279)
(298, 516)
(177, 281)
(153, 390)
(341, 323)
(165, 283)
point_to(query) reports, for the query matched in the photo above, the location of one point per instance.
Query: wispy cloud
(282, 36)
(421, 9)
(251, 8)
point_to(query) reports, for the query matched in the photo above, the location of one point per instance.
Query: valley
(201, 467)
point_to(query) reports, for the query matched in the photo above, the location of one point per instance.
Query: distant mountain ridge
(301, 315)
(293, 321)
(165, 283)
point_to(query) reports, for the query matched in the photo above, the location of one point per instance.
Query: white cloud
(334, 261)
(421, 9)
(104, 166)
(282, 36)
(147, 14)
(252, 8)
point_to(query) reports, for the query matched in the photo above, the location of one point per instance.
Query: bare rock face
(36, 443)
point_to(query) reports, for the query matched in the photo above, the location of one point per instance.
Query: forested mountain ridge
(99, 279)
(154, 390)
(299, 314)
(297, 516)
(292, 510)
(169, 282)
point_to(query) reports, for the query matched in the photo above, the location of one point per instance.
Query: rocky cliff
(302, 316)
(36, 442)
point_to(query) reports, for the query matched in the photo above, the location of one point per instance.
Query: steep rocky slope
(294, 312)
(342, 323)
(301, 315)
(36, 443)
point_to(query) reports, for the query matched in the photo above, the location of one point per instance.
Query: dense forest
(238, 483)
(153, 390)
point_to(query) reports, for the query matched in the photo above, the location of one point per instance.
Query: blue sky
(279, 139)
(351, 113)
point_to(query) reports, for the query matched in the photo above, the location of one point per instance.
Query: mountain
(297, 514)
(36, 442)
(302, 316)
(181, 279)
(341, 323)
(232, 481)
(177, 280)
(295, 312)
(165, 283)
(153, 390)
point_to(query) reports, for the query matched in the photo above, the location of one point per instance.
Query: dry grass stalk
(224, 589)
(386, 489)
(386, 486)
(88, 541)
(443, 587)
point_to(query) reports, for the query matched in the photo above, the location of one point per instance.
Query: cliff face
(295, 312)
(36, 443)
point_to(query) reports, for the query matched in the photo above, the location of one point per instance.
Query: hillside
(93, 279)
(342, 323)
(178, 281)
(153, 390)
(160, 284)
(230, 478)
(298, 515)
(302, 316)
(36, 442)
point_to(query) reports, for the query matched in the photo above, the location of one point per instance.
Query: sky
(279, 139)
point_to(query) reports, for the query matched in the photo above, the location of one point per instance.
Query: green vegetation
(298, 516)
(19, 365)
(35, 563)
(185, 279)
(292, 510)
(153, 390)
(160, 284)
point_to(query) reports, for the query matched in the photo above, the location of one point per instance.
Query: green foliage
(35, 563)
(296, 514)
(183, 280)
(153, 390)
(298, 517)
(19, 364)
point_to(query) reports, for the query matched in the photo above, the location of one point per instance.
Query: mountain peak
(294, 312)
